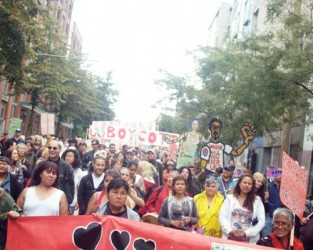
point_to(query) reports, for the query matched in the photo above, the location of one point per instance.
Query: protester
(16, 169)
(170, 166)
(17, 138)
(72, 158)
(190, 189)
(158, 175)
(135, 180)
(307, 233)
(155, 201)
(91, 183)
(9, 181)
(4, 141)
(145, 170)
(116, 164)
(112, 148)
(178, 211)
(100, 197)
(22, 151)
(66, 178)
(226, 182)
(95, 144)
(30, 156)
(117, 192)
(129, 156)
(260, 188)
(42, 197)
(8, 210)
(274, 202)
(209, 204)
(197, 187)
(283, 222)
(242, 216)
(84, 156)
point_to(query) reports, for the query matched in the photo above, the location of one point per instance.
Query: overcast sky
(135, 39)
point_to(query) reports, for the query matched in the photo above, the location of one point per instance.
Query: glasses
(125, 174)
(281, 224)
(54, 148)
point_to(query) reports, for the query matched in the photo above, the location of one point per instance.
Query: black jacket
(85, 191)
(66, 179)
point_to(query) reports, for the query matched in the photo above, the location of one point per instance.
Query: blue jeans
(268, 228)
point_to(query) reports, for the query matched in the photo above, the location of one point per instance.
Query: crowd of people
(39, 179)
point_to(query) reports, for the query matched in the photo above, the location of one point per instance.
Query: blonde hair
(146, 169)
(258, 176)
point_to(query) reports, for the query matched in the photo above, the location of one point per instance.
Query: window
(2, 109)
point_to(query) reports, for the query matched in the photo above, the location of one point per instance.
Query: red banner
(86, 232)
(293, 185)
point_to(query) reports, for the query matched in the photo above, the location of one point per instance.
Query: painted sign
(186, 154)
(293, 185)
(86, 232)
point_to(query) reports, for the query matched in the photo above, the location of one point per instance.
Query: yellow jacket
(208, 216)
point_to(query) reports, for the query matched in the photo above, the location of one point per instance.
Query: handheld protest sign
(293, 185)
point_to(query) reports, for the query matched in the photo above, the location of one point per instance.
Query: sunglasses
(54, 148)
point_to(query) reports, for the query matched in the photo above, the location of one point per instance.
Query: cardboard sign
(47, 124)
(293, 185)
(186, 154)
(86, 232)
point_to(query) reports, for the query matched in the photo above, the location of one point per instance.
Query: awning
(39, 109)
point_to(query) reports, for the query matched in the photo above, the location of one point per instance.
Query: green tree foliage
(57, 81)
(264, 79)
(18, 30)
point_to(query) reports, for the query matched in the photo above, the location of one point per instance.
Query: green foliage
(36, 62)
(263, 79)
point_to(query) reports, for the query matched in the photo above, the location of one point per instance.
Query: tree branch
(304, 87)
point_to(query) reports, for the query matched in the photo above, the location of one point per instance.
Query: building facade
(246, 18)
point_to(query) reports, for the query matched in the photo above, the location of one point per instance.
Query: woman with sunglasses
(283, 222)
(242, 216)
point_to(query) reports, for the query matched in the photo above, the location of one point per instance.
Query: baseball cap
(5, 159)
(150, 151)
(228, 168)
(18, 130)
(170, 162)
(129, 151)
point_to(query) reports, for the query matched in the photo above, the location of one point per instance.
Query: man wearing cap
(17, 137)
(66, 177)
(152, 159)
(226, 182)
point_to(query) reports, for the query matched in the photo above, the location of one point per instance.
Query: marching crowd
(39, 179)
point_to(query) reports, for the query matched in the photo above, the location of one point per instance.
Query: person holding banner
(242, 216)
(42, 197)
(209, 204)
(283, 222)
(178, 211)
(117, 193)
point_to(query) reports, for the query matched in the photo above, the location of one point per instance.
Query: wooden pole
(292, 233)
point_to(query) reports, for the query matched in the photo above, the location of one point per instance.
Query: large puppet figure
(189, 142)
(212, 154)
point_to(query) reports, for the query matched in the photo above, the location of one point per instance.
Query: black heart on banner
(87, 238)
(120, 239)
(142, 244)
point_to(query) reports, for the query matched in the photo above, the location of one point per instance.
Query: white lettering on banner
(129, 135)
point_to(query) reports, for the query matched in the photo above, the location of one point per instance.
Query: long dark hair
(189, 180)
(77, 161)
(248, 203)
(44, 165)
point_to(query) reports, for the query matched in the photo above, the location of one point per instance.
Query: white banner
(47, 124)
